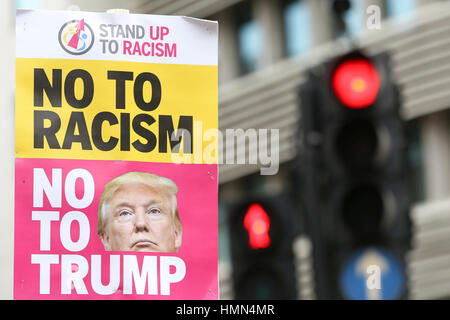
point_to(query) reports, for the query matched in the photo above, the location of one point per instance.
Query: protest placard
(106, 105)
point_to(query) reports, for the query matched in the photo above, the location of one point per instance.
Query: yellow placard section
(69, 109)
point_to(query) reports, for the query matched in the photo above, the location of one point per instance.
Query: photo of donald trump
(138, 212)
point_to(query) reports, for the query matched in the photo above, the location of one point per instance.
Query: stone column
(321, 21)
(268, 14)
(228, 46)
(436, 155)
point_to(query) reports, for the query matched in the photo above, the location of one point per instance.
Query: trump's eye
(124, 213)
(154, 211)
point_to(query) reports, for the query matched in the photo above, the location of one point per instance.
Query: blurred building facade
(265, 47)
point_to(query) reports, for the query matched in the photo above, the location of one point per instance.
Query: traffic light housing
(353, 168)
(261, 236)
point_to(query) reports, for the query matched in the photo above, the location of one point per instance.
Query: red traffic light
(356, 83)
(257, 223)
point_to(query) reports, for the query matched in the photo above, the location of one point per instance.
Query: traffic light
(353, 178)
(261, 235)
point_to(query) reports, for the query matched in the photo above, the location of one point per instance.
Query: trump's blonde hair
(165, 185)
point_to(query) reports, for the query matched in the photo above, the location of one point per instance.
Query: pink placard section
(58, 254)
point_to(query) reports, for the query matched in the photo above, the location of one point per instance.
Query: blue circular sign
(372, 274)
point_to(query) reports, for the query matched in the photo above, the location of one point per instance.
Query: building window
(250, 38)
(354, 17)
(415, 161)
(396, 7)
(28, 4)
(350, 21)
(297, 26)
(448, 114)
(224, 235)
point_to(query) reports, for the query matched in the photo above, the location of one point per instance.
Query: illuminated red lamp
(257, 223)
(356, 83)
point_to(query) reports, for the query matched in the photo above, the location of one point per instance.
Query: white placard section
(134, 37)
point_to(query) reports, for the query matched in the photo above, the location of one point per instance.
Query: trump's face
(139, 218)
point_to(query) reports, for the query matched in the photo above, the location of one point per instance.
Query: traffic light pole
(310, 162)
